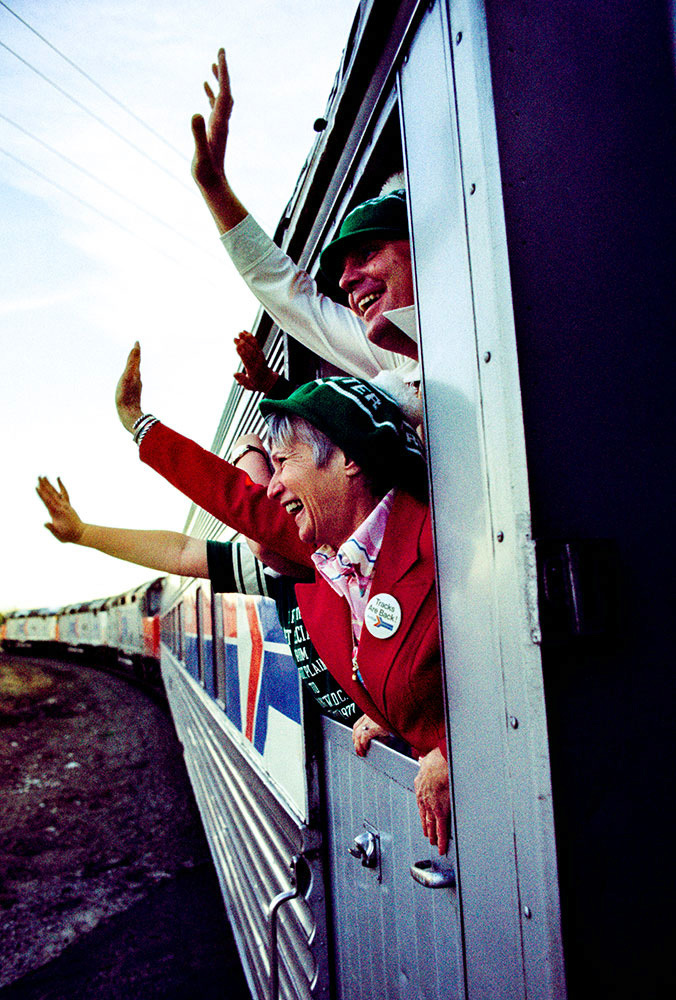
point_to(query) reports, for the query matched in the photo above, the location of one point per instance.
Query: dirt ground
(106, 884)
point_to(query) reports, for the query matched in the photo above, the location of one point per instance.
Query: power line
(96, 118)
(97, 211)
(108, 187)
(94, 82)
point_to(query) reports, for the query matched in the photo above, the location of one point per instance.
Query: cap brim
(332, 256)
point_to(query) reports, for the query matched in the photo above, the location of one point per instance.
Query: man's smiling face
(377, 277)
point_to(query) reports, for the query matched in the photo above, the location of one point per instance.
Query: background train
(122, 631)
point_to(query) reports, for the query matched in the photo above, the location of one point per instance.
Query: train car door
(492, 927)
(504, 833)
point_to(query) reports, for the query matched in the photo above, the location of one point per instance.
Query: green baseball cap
(381, 217)
(366, 423)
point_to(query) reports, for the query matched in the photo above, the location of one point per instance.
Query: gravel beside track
(106, 885)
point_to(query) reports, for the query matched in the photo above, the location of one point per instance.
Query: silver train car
(537, 143)
(123, 630)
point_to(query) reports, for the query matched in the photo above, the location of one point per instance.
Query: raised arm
(166, 551)
(288, 294)
(214, 485)
(211, 139)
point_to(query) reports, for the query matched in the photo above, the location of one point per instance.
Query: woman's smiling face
(317, 499)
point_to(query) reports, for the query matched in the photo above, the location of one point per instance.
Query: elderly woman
(348, 497)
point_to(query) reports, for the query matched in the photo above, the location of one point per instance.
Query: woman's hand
(434, 799)
(363, 731)
(65, 524)
(128, 391)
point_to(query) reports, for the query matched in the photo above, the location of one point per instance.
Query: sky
(104, 239)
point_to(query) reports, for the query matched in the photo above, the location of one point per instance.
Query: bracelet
(244, 449)
(144, 430)
(144, 426)
(137, 422)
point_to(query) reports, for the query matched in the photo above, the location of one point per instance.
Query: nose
(274, 486)
(350, 275)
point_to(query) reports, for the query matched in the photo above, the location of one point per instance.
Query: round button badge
(383, 616)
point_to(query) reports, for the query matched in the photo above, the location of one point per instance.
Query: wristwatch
(244, 449)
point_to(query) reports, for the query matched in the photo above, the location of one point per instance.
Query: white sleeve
(291, 297)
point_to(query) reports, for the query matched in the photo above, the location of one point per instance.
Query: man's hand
(128, 392)
(434, 800)
(208, 167)
(363, 731)
(65, 524)
(257, 376)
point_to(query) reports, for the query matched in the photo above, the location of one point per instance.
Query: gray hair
(283, 429)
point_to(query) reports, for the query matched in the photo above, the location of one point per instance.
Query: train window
(198, 635)
(218, 649)
(206, 642)
(180, 644)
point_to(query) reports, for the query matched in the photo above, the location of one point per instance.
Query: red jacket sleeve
(223, 490)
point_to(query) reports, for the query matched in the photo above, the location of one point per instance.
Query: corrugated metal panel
(393, 938)
(252, 839)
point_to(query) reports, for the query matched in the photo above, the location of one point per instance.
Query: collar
(356, 557)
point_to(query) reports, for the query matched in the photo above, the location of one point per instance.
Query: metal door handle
(434, 874)
(273, 910)
(366, 848)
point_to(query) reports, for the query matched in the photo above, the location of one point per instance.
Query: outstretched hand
(128, 391)
(211, 139)
(65, 524)
(433, 795)
(257, 376)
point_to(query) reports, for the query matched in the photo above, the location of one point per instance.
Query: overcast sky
(104, 241)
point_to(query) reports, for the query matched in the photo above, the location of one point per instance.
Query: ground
(106, 884)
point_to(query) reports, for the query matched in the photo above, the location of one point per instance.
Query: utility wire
(96, 118)
(103, 215)
(108, 187)
(94, 82)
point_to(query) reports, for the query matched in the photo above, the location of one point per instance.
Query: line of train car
(123, 630)
(537, 145)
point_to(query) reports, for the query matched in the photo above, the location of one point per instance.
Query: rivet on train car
(487, 356)
(458, 38)
(514, 722)
(320, 124)
(527, 912)
(500, 536)
(472, 188)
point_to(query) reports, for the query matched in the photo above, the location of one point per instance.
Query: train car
(28, 629)
(82, 627)
(124, 630)
(132, 626)
(537, 145)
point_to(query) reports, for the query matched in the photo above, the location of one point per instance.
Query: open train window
(218, 648)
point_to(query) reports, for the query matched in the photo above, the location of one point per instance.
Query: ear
(350, 466)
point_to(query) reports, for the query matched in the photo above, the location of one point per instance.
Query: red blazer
(402, 672)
